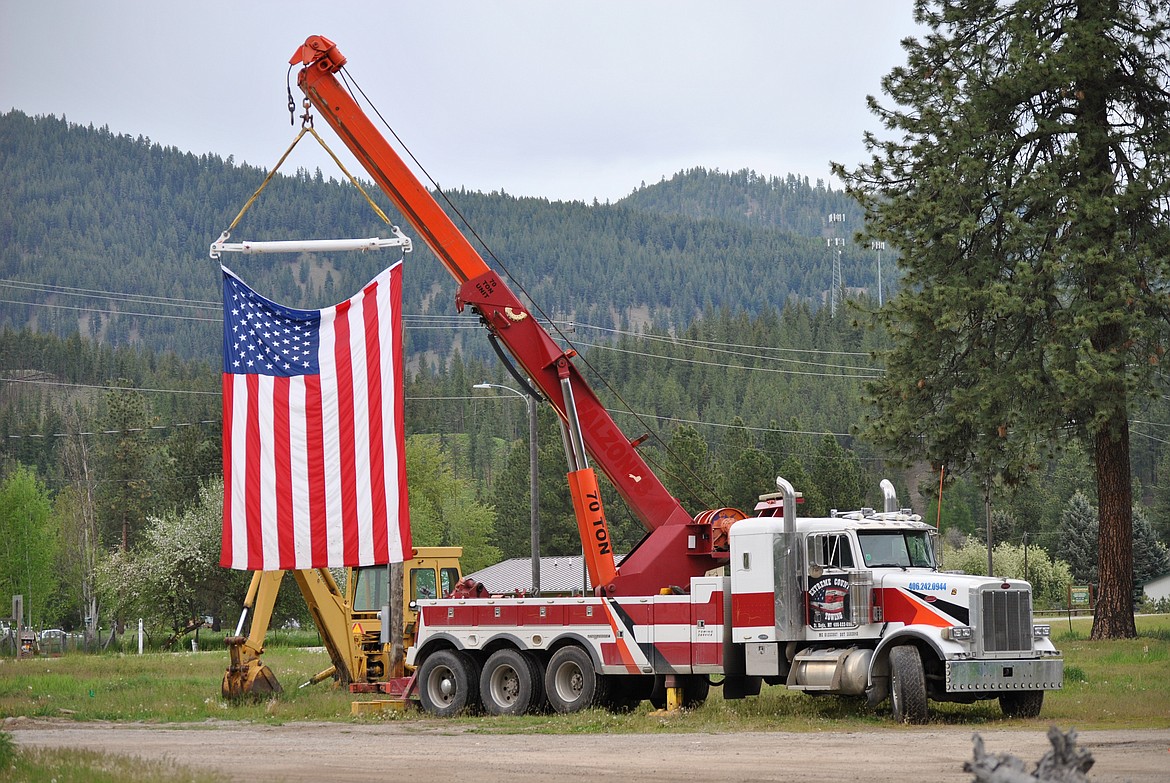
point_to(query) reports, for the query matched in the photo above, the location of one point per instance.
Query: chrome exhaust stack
(890, 495)
(786, 555)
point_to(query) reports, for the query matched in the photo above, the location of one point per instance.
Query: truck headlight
(958, 633)
(1041, 631)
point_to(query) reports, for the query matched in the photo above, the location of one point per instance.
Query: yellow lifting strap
(248, 204)
(279, 163)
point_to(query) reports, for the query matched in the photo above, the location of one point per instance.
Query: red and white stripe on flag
(313, 430)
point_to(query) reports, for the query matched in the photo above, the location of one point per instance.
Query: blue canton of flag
(262, 337)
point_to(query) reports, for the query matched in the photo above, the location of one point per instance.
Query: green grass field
(1107, 685)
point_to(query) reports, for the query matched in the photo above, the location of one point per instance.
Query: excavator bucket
(246, 675)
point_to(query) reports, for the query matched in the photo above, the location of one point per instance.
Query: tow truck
(852, 604)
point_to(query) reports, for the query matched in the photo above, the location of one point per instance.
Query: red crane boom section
(676, 547)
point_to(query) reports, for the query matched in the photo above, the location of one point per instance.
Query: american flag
(313, 451)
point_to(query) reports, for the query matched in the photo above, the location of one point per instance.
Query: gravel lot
(424, 750)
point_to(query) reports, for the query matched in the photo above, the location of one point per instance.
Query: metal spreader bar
(399, 239)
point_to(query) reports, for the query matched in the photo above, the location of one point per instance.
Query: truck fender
(502, 640)
(445, 641)
(575, 638)
(880, 665)
(416, 655)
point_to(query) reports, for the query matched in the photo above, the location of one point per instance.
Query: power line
(409, 398)
(758, 356)
(731, 426)
(412, 321)
(731, 366)
(36, 381)
(708, 343)
(153, 427)
(66, 290)
(112, 312)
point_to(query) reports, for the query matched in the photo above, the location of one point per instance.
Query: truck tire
(571, 683)
(505, 686)
(907, 685)
(539, 700)
(1021, 704)
(448, 683)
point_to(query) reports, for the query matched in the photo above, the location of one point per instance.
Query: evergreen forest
(702, 308)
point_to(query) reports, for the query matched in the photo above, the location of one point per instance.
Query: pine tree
(1151, 559)
(686, 473)
(1077, 544)
(1024, 185)
(837, 475)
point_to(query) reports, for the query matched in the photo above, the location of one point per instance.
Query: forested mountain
(786, 203)
(97, 225)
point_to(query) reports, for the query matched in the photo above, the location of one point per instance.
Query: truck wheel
(448, 683)
(571, 683)
(505, 687)
(907, 685)
(1021, 704)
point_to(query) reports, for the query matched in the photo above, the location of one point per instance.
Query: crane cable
(352, 85)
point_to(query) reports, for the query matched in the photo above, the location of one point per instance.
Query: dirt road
(418, 751)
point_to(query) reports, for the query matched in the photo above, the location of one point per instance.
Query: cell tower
(838, 285)
(879, 246)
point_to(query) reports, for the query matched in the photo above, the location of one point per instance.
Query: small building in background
(558, 576)
(1158, 589)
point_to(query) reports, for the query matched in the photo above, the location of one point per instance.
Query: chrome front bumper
(1033, 674)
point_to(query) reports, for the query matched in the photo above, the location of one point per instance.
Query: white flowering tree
(173, 576)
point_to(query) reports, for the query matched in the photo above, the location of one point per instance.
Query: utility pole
(987, 511)
(534, 503)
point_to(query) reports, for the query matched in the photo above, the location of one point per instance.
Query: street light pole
(532, 478)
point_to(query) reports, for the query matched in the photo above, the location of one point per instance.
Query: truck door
(833, 582)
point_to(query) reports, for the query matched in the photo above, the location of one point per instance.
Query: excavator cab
(432, 573)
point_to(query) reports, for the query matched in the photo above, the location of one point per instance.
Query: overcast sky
(566, 99)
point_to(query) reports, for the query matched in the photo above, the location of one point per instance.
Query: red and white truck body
(813, 604)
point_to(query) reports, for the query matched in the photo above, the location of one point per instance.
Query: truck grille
(1006, 622)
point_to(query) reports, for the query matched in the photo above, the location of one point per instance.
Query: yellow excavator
(350, 622)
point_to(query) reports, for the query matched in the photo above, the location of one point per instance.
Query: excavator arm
(248, 676)
(676, 546)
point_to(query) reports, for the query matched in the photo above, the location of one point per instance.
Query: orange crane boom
(676, 546)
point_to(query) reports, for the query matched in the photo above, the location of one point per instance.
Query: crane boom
(676, 546)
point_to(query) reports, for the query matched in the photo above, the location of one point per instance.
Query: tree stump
(1065, 763)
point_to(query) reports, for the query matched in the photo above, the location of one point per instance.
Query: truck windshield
(899, 548)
